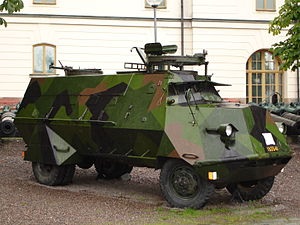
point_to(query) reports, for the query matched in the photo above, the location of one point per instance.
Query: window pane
(270, 4)
(280, 79)
(259, 92)
(273, 89)
(253, 78)
(270, 66)
(254, 100)
(270, 78)
(38, 59)
(258, 67)
(268, 56)
(253, 65)
(259, 81)
(259, 100)
(258, 56)
(280, 90)
(267, 78)
(259, 4)
(268, 91)
(49, 58)
(269, 61)
(253, 90)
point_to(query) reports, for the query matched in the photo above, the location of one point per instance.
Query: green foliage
(10, 6)
(247, 214)
(288, 50)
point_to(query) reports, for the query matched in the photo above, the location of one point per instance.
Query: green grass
(217, 215)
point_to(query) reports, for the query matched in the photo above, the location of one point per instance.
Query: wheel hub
(184, 183)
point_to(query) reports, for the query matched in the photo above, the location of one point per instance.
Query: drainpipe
(182, 32)
(182, 29)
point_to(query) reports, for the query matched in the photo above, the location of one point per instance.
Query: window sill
(266, 10)
(43, 3)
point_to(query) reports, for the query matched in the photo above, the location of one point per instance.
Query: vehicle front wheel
(251, 190)
(53, 175)
(182, 187)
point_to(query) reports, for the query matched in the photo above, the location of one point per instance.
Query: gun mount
(70, 71)
(155, 58)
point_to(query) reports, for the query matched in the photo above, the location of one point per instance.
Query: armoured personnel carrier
(159, 116)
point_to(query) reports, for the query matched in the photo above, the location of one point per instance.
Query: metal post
(182, 32)
(155, 27)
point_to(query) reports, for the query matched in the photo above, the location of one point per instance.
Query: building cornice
(60, 16)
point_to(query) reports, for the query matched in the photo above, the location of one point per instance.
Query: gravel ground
(135, 201)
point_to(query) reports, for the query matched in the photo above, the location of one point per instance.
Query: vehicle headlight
(281, 127)
(226, 130)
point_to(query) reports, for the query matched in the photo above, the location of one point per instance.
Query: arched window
(263, 77)
(43, 56)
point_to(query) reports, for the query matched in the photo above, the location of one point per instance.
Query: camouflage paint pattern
(144, 119)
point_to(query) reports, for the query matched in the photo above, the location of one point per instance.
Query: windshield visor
(198, 92)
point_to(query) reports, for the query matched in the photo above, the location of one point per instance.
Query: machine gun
(69, 71)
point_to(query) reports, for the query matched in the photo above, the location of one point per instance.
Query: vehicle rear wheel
(182, 187)
(251, 190)
(110, 169)
(53, 175)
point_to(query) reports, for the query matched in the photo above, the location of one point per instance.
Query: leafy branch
(10, 6)
(288, 50)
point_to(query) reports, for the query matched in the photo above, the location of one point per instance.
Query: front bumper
(235, 171)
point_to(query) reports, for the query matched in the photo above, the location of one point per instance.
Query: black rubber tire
(175, 174)
(252, 190)
(110, 170)
(70, 170)
(53, 175)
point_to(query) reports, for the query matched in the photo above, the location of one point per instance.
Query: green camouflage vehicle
(156, 117)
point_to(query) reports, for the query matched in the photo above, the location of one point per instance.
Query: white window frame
(44, 58)
(43, 2)
(265, 6)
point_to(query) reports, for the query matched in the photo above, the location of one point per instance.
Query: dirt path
(135, 201)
